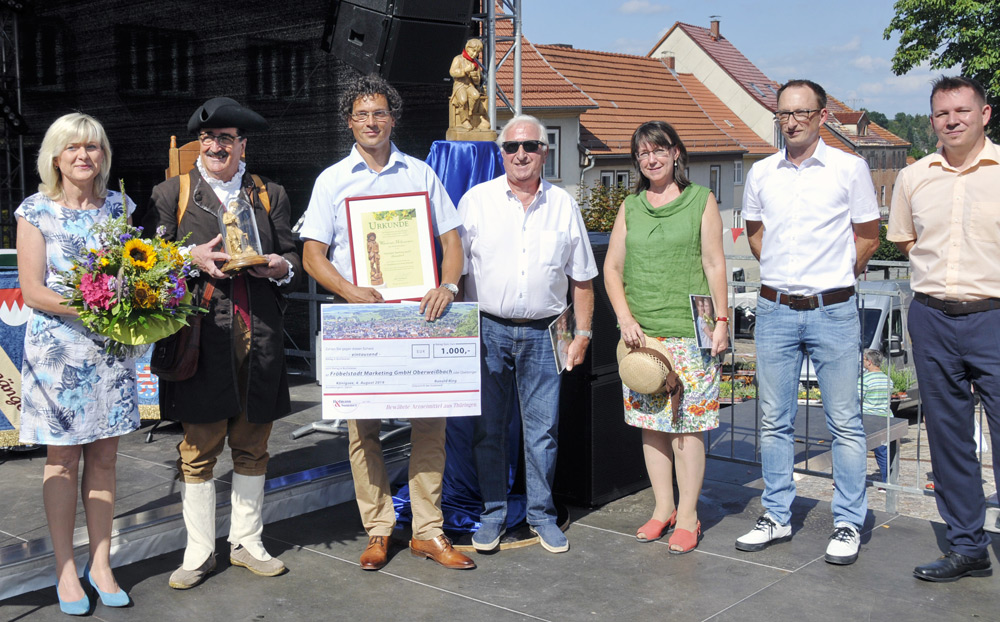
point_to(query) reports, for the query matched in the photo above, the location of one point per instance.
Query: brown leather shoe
(440, 550)
(376, 554)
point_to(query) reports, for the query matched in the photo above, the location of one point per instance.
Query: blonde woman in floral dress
(76, 399)
(665, 245)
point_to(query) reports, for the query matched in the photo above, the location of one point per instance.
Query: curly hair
(369, 85)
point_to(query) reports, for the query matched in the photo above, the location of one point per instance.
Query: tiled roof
(732, 61)
(541, 85)
(877, 136)
(633, 89)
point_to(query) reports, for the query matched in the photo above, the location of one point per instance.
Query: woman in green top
(666, 245)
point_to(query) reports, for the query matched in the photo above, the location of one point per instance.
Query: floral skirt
(699, 408)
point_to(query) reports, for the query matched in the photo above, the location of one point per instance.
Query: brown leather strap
(803, 303)
(206, 296)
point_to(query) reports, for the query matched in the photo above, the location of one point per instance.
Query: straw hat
(648, 370)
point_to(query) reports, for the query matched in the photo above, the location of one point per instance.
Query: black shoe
(953, 567)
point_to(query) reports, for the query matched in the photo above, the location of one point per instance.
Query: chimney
(670, 61)
(715, 29)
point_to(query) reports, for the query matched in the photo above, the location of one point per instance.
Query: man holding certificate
(527, 247)
(376, 170)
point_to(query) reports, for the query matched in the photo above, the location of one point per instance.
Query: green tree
(953, 33)
(599, 204)
(887, 251)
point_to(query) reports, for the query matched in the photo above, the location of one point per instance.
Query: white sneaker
(765, 533)
(844, 544)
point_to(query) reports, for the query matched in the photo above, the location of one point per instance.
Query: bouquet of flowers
(131, 290)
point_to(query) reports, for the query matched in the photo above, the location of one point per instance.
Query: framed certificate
(392, 244)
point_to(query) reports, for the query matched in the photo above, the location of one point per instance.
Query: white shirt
(325, 219)
(518, 262)
(808, 212)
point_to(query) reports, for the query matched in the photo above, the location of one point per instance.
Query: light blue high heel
(76, 607)
(116, 599)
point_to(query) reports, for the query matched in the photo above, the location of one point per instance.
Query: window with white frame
(608, 179)
(715, 181)
(552, 160)
(622, 178)
(738, 172)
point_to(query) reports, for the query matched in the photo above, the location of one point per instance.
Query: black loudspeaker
(400, 49)
(601, 358)
(453, 11)
(600, 456)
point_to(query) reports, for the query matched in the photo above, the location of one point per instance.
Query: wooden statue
(469, 113)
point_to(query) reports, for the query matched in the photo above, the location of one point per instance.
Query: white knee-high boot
(198, 501)
(247, 526)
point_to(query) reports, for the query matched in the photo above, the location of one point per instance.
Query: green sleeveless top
(663, 261)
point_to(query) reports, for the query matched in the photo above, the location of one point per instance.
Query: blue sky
(839, 44)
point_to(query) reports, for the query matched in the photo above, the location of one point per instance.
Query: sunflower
(144, 296)
(141, 255)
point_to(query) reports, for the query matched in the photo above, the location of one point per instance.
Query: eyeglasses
(530, 146)
(656, 153)
(379, 115)
(800, 115)
(224, 140)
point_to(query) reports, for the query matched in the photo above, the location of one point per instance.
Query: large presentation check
(385, 361)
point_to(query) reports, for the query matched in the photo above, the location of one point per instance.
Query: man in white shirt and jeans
(525, 246)
(813, 222)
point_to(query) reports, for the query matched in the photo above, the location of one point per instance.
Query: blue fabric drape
(461, 165)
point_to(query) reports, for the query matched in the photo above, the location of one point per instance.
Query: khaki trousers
(203, 442)
(371, 482)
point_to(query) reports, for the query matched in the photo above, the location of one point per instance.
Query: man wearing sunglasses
(526, 247)
(813, 224)
(371, 107)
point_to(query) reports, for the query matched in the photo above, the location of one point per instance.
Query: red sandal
(654, 529)
(687, 540)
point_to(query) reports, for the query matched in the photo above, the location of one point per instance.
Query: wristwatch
(451, 287)
(589, 334)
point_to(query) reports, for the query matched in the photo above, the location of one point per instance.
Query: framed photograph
(392, 244)
(561, 333)
(703, 314)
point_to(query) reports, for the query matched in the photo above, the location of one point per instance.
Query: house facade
(720, 66)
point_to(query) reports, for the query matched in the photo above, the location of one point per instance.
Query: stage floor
(606, 575)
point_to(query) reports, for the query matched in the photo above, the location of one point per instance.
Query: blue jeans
(517, 364)
(831, 336)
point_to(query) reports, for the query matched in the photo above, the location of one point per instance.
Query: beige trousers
(371, 482)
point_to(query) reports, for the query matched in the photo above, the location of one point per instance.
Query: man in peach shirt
(945, 213)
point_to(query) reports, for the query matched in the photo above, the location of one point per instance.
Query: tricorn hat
(225, 112)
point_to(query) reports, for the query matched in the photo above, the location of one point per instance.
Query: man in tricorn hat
(240, 386)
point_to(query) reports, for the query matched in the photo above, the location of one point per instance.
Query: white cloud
(870, 63)
(642, 6)
(851, 46)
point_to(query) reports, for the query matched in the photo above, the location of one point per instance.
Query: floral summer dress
(72, 392)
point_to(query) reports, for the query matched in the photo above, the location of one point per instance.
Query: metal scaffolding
(12, 180)
(499, 10)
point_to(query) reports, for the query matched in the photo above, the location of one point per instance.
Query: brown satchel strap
(206, 296)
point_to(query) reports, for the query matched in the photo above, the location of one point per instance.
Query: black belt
(516, 321)
(957, 307)
(804, 303)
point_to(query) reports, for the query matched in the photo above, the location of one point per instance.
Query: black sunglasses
(530, 146)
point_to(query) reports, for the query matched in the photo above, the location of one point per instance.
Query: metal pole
(491, 62)
(517, 57)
